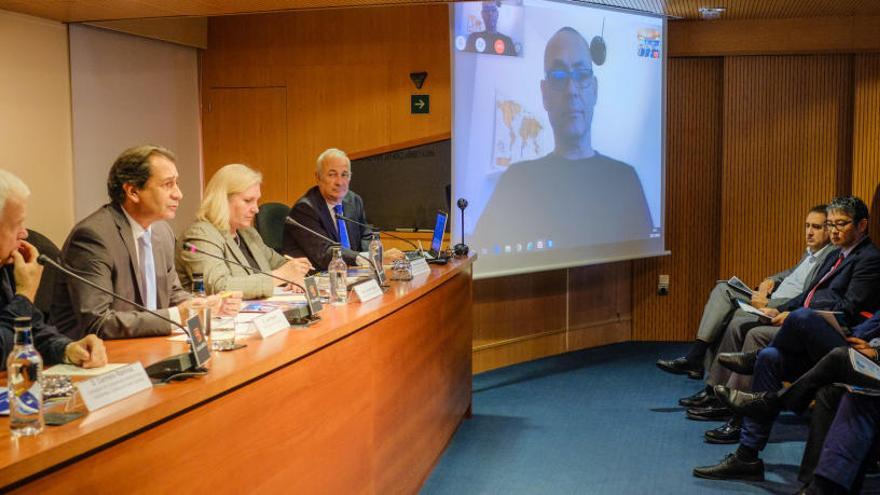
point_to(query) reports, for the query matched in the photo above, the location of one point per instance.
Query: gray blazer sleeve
(220, 275)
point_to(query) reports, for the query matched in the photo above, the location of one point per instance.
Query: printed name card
(420, 267)
(270, 323)
(114, 386)
(368, 290)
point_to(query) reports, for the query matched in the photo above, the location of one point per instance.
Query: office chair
(270, 223)
(44, 245)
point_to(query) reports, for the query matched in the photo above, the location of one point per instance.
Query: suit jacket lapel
(128, 241)
(233, 248)
(320, 206)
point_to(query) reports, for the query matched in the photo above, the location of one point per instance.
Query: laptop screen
(439, 229)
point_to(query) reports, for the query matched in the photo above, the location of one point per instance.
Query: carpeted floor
(600, 421)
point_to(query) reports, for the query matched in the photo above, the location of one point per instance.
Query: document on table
(72, 370)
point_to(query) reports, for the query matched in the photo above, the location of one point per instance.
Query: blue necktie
(340, 225)
(145, 253)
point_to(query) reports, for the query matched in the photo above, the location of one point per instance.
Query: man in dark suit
(127, 247)
(19, 279)
(848, 283)
(318, 209)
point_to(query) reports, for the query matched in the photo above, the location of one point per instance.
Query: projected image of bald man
(574, 196)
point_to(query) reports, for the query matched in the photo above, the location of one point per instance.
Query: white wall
(35, 135)
(128, 91)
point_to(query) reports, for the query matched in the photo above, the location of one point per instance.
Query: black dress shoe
(681, 366)
(700, 399)
(739, 362)
(726, 433)
(758, 405)
(713, 412)
(732, 468)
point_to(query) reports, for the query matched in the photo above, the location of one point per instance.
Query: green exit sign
(420, 104)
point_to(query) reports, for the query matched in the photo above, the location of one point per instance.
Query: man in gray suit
(127, 247)
(776, 289)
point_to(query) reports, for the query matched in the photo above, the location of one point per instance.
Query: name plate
(114, 386)
(420, 267)
(270, 323)
(368, 290)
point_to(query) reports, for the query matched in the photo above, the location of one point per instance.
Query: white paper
(863, 365)
(73, 370)
(271, 323)
(368, 290)
(114, 386)
(420, 267)
(748, 308)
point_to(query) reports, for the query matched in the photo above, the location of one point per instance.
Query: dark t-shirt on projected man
(574, 196)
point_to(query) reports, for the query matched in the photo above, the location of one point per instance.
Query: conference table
(363, 401)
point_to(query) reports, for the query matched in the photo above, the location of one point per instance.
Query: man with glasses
(848, 284)
(584, 196)
(318, 210)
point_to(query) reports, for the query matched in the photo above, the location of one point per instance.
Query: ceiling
(95, 10)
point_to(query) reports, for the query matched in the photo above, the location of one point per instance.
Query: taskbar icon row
(519, 247)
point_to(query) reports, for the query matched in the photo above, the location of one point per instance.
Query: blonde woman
(224, 227)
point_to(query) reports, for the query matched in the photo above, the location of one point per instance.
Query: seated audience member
(847, 436)
(318, 210)
(224, 228)
(19, 279)
(848, 281)
(773, 291)
(127, 247)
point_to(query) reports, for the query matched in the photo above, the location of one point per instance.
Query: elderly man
(319, 210)
(19, 280)
(584, 196)
(126, 246)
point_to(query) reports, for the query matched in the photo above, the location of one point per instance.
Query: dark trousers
(843, 438)
(835, 367)
(802, 341)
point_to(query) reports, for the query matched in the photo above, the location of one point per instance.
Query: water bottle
(24, 368)
(201, 306)
(338, 271)
(376, 250)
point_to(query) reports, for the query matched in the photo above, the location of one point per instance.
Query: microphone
(389, 234)
(193, 249)
(174, 367)
(461, 248)
(290, 220)
(294, 315)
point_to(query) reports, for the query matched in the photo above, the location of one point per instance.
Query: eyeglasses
(558, 78)
(839, 225)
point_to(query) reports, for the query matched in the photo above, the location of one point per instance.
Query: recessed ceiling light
(710, 13)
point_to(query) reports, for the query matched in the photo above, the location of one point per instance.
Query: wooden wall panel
(787, 147)
(248, 125)
(347, 87)
(693, 209)
(866, 136)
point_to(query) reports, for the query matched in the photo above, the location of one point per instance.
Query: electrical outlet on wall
(663, 285)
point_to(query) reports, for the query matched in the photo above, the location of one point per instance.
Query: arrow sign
(420, 104)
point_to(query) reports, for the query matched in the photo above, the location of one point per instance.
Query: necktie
(148, 269)
(340, 225)
(813, 291)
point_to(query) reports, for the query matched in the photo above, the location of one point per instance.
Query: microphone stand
(176, 367)
(333, 243)
(389, 234)
(294, 317)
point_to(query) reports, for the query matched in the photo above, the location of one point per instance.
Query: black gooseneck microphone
(389, 234)
(294, 315)
(171, 368)
(193, 249)
(333, 243)
(461, 248)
